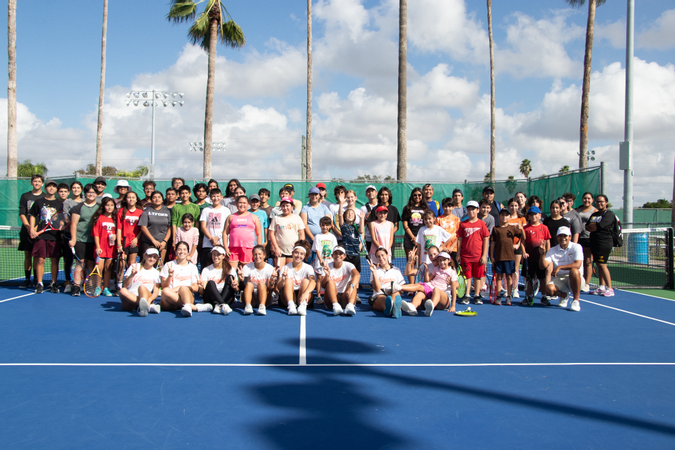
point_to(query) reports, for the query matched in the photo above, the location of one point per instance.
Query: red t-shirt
(129, 225)
(534, 236)
(472, 235)
(105, 230)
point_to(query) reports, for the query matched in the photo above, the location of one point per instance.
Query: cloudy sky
(261, 89)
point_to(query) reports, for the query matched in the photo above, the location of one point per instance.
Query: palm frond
(200, 30)
(182, 11)
(231, 34)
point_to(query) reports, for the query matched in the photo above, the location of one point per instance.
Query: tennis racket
(118, 262)
(466, 313)
(493, 288)
(419, 278)
(92, 285)
(461, 282)
(365, 248)
(55, 222)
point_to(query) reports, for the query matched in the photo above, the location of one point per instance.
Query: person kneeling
(180, 281)
(141, 285)
(340, 283)
(568, 272)
(296, 284)
(259, 280)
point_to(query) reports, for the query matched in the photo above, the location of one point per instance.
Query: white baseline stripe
(303, 341)
(334, 365)
(14, 298)
(628, 312)
(646, 295)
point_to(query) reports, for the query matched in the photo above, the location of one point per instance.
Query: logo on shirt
(469, 231)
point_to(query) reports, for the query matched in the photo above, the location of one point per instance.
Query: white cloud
(536, 48)
(661, 35)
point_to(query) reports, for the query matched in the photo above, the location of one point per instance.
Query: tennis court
(82, 373)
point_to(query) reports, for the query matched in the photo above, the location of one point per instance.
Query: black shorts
(129, 250)
(601, 253)
(585, 242)
(533, 269)
(408, 243)
(518, 251)
(25, 242)
(356, 260)
(85, 250)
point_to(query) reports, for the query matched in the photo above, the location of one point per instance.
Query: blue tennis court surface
(82, 373)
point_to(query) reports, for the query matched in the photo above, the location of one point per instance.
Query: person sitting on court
(141, 285)
(296, 284)
(219, 281)
(384, 298)
(180, 282)
(340, 282)
(437, 280)
(259, 279)
(567, 276)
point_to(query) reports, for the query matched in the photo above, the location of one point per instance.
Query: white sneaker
(586, 289)
(514, 293)
(292, 310)
(204, 307)
(225, 309)
(396, 287)
(262, 311)
(350, 310)
(337, 309)
(248, 309)
(142, 307)
(68, 288)
(428, 308)
(216, 309)
(186, 310)
(563, 302)
(408, 307)
(302, 309)
(155, 308)
(575, 305)
(600, 290)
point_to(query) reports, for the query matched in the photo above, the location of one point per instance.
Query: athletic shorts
(518, 251)
(356, 260)
(408, 243)
(129, 250)
(25, 242)
(473, 269)
(563, 283)
(585, 242)
(428, 290)
(504, 267)
(46, 249)
(533, 269)
(601, 254)
(85, 250)
(241, 254)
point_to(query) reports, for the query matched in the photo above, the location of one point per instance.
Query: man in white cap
(568, 271)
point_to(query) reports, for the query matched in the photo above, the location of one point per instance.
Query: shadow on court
(332, 408)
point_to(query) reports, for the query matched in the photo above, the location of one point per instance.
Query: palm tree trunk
(210, 88)
(402, 148)
(586, 87)
(308, 147)
(492, 94)
(101, 95)
(11, 89)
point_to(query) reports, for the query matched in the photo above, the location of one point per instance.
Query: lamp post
(154, 98)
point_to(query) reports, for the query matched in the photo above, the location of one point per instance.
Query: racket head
(419, 277)
(493, 289)
(461, 285)
(466, 313)
(92, 285)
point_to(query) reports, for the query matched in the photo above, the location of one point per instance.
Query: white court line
(647, 295)
(628, 312)
(303, 341)
(14, 298)
(334, 365)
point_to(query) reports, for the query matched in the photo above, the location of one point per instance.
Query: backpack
(617, 238)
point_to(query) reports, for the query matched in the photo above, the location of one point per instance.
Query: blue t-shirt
(314, 215)
(435, 207)
(350, 239)
(264, 224)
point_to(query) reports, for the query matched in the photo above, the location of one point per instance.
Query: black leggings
(215, 297)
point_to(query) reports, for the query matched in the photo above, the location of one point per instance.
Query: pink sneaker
(608, 293)
(600, 290)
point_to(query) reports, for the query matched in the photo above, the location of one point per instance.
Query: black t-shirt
(494, 211)
(27, 200)
(45, 211)
(392, 216)
(553, 226)
(415, 218)
(604, 220)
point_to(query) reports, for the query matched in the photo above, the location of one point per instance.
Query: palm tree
(402, 147)
(492, 93)
(28, 169)
(564, 169)
(526, 167)
(205, 32)
(101, 93)
(586, 87)
(308, 147)
(11, 89)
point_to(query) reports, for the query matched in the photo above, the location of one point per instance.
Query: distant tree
(564, 169)
(140, 172)
(488, 177)
(372, 178)
(526, 167)
(106, 171)
(28, 169)
(660, 203)
(511, 184)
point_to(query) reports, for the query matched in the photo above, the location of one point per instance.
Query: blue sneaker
(106, 293)
(388, 305)
(97, 291)
(397, 307)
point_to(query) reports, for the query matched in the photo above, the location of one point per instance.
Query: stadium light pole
(152, 99)
(216, 146)
(625, 151)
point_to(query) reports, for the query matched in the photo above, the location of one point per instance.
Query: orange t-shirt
(450, 223)
(518, 220)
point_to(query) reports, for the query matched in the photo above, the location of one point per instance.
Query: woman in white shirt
(180, 281)
(341, 284)
(141, 285)
(259, 279)
(381, 277)
(296, 284)
(219, 282)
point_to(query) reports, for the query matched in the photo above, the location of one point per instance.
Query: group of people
(315, 248)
